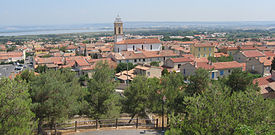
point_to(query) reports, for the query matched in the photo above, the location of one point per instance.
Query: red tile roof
(203, 45)
(263, 80)
(204, 65)
(190, 56)
(203, 59)
(140, 41)
(11, 54)
(248, 48)
(227, 65)
(82, 62)
(252, 53)
(232, 48)
(266, 60)
(263, 48)
(269, 53)
(220, 55)
(179, 60)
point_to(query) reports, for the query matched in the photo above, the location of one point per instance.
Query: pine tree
(56, 96)
(15, 108)
(102, 100)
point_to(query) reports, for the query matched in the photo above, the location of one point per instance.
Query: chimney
(273, 75)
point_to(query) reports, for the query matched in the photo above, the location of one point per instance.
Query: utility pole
(163, 101)
(127, 73)
(127, 65)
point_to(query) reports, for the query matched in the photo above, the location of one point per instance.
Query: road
(122, 132)
(6, 70)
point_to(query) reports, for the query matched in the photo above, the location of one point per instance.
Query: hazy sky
(51, 12)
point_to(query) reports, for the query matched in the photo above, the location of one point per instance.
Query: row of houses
(80, 64)
(12, 56)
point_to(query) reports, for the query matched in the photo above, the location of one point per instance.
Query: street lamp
(163, 101)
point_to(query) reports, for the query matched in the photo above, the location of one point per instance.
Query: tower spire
(118, 29)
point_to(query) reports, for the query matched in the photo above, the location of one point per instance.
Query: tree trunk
(52, 124)
(131, 118)
(40, 130)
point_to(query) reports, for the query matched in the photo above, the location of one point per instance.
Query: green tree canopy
(102, 100)
(123, 66)
(216, 111)
(138, 99)
(164, 72)
(56, 96)
(172, 87)
(154, 63)
(16, 117)
(199, 82)
(239, 81)
(41, 68)
(26, 75)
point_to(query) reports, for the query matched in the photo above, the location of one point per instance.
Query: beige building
(202, 50)
(148, 71)
(175, 63)
(244, 56)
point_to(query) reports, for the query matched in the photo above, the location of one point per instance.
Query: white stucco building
(121, 44)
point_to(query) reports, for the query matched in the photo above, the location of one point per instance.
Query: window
(139, 59)
(142, 47)
(213, 75)
(151, 47)
(135, 60)
(253, 67)
(148, 73)
(199, 55)
(117, 49)
(179, 65)
(199, 49)
(204, 49)
(204, 55)
(209, 49)
(183, 71)
(209, 54)
(163, 58)
(229, 70)
(143, 59)
(221, 72)
(119, 30)
(133, 47)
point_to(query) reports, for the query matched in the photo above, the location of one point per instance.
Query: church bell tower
(118, 29)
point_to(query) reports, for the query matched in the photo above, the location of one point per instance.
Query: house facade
(244, 56)
(175, 63)
(202, 50)
(216, 70)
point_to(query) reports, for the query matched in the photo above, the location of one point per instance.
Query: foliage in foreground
(56, 95)
(16, 117)
(102, 100)
(225, 108)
